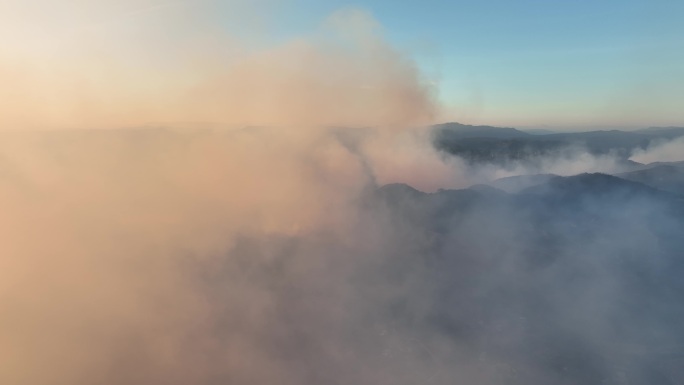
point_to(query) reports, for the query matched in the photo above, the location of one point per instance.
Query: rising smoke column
(194, 255)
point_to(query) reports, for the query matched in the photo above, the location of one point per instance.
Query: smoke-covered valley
(211, 256)
(328, 239)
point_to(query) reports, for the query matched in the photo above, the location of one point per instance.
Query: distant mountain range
(461, 131)
(487, 144)
(664, 176)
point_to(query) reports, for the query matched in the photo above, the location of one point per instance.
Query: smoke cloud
(180, 206)
(193, 254)
(666, 151)
(155, 69)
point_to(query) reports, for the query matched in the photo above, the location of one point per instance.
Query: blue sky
(536, 63)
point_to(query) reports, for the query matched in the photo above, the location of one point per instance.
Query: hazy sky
(526, 63)
(534, 62)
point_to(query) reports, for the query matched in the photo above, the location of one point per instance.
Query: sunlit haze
(290, 192)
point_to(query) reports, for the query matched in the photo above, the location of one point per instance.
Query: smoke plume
(206, 253)
(185, 203)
